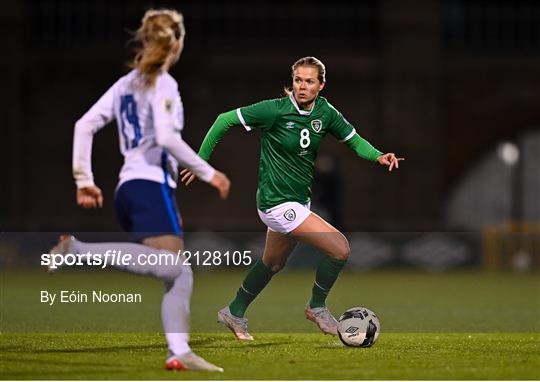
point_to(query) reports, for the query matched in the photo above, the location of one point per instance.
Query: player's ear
(321, 86)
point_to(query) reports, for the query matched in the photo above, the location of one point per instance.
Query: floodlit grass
(457, 325)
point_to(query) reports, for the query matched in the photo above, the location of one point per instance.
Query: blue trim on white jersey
(122, 123)
(164, 166)
(166, 196)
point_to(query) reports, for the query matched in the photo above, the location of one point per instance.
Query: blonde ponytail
(159, 31)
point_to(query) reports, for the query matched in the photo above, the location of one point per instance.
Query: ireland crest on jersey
(316, 125)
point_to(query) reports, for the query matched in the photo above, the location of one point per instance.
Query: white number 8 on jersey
(304, 138)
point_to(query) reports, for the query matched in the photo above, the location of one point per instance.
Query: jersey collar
(300, 111)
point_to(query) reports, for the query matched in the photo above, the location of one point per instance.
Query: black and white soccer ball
(359, 327)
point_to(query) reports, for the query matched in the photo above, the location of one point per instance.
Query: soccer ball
(358, 327)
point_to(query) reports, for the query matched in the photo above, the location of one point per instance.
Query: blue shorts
(147, 209)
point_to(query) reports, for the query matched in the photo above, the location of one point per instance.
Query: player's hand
(221, 183)
(90, 197)
(187, 176)
(390, 160)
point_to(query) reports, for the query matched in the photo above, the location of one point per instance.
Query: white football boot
(237, 325)
(190, 362)
(323, 318)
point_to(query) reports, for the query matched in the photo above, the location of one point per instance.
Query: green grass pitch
(456, 325)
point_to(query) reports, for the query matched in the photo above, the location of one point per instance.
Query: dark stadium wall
(407, 91)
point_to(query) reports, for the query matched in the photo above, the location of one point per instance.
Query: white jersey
(149, 122)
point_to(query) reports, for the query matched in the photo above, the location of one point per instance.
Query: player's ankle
(316, 303)
(236, 312)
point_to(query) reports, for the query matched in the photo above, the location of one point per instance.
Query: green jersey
(289, 144)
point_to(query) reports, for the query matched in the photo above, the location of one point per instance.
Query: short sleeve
(260, 115)
(340, 127)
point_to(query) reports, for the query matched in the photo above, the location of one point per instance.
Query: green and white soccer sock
(327, 273)
(255, 281)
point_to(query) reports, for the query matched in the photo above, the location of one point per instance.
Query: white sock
(175, 311)
(178, 343)
(178, 281)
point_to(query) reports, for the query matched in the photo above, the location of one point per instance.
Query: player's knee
(276, 265)
(342, 250)
(171, 272)
(179, 281)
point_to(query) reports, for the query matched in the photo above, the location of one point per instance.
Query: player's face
(306, 85)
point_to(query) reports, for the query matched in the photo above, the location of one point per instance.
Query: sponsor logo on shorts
(290, 215)
(316, 125)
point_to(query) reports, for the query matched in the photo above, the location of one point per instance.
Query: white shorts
(285, 217)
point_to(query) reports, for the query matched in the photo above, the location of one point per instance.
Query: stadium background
(451, 85)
